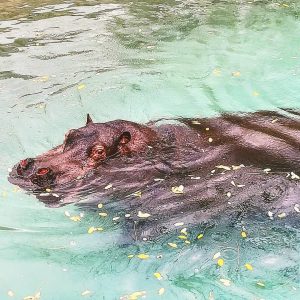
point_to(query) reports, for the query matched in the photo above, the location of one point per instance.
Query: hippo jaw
(84, 150)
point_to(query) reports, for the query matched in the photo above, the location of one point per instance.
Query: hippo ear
(88, 119)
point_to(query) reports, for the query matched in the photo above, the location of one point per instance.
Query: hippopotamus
(165, 172)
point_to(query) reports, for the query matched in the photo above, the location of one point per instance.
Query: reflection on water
(138, 61)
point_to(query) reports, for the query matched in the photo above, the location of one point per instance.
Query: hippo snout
(24, 166)
(28, 170)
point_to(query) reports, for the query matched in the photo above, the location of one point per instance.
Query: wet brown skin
(154, 157)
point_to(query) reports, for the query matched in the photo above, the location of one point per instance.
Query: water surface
(138, 61)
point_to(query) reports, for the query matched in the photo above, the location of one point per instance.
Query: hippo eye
(97, 152)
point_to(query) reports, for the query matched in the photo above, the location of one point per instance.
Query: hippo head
(83, 151)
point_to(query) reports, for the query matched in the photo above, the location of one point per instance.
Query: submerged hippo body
(190, 171)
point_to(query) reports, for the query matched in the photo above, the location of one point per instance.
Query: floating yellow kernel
(157, 275)
(109, 186)
(10, 294)
(259, 283)
(91, 230)
(249, 267)
(217, 72)
(183, 231)
(81, 86)
(37, 296)
(177, 189)
(179, 224)
(172, 245)
(200, 236)
(86, 293)
(136, 295)
(130, 256)
(220, 262)
(282, 215)
(187, 242)
(103, 214)
(226, 282)
(143, 256)
(182, 237)
(243, 234)
(100, 205)
(143, 215)
(227, 168)
(210, 140)
(236, 74)
(137, 194)
(217, 255)
(161, 291)
(48, 190)
(75, 218)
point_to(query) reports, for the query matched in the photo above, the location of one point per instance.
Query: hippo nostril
(43, 177)
(24, 164)
(43, 171)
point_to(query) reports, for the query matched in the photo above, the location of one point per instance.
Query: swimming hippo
(189, 170)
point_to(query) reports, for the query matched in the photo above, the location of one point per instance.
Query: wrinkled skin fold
(233, 165)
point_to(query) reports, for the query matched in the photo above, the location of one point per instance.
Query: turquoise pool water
(138, 61)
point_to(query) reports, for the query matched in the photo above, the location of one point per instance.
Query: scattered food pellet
(220, 262)
(210, 140)
(143, 215)
(183, 231)
(282, 215)
(100, 205)
(297, 208)
(177, 189)
(249, 267)
(217, 255)
(10, 293)
(226, 282)
(179, 224)
(172, 245)
(102, 214)
(109, 186)
(161, 291)
(267, 171)
(200, 236)
(143, 256)
(259, 283)
(243, 234)
(223, 167)
(294, 176)
(81, 86)
(236, 74)
(137, 194)
(75, 218)
(86, 293)
(157, 275)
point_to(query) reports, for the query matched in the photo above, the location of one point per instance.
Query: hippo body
(191, 171)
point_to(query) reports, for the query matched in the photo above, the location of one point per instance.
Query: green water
(138, 61)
